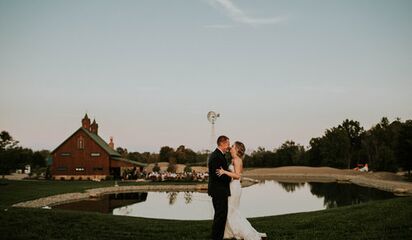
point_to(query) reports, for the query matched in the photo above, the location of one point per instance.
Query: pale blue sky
(149, 71)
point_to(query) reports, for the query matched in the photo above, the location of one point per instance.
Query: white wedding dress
(238, 226)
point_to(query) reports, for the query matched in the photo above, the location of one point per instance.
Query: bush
(48, 173)
(156, 168)
(187, 169)
(171, 168)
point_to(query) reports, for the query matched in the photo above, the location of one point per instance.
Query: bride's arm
(236, 173)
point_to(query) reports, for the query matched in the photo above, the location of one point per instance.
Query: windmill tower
(212, 117)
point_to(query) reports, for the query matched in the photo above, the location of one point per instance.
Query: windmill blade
(212, 116)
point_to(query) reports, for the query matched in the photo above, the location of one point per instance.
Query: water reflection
(172, 197)
(337, 194)
(188, 197)
(291, 187)
(105, 204)
(264, 199)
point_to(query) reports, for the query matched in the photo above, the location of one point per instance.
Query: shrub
(171, 168)
(156, 168)
(187, 169)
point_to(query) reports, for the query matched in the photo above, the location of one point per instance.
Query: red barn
(85, 155)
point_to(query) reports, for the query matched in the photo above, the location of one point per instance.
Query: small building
(27, 169)
(85, 155)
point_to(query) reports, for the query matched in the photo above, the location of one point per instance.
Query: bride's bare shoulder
(237, 161)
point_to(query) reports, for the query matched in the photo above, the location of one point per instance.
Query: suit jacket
(218, 186)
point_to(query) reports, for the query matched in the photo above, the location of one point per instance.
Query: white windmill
(212, 117)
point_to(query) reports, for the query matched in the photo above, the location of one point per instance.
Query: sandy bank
(96, 192)
(381, 180)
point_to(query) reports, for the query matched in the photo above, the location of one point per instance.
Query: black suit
(219, 190)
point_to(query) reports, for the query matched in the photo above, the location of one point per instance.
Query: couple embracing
(225, 190)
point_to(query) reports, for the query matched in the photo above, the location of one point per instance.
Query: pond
(267, 198)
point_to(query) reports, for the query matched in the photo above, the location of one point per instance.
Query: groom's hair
(221, 139)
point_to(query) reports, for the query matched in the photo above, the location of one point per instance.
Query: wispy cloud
(221, 26)
(237, 15)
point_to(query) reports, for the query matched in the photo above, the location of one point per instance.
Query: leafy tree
(405, 146)
(122, 151)
(290, 154)
(185, 155)
(7, 142)
(313, 156)
(354, 131)
(181, 154)
(379, 145)
(8, 152)
(38, 160)
(335, 148)
(166, 153)
(191, 156)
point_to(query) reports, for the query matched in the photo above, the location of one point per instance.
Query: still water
(267, 198)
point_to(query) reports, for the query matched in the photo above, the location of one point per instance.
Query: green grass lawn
(387, 219)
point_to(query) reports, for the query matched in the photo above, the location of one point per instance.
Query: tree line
(180, 155)
(387, 146)
(13, 156)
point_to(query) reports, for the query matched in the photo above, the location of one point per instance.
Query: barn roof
(97, 139)
(129, 161)
(101, 143)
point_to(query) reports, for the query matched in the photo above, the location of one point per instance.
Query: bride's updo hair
(240, 147)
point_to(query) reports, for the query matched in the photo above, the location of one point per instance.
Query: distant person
(365, 168)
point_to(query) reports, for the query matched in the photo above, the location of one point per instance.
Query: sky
(149, 71)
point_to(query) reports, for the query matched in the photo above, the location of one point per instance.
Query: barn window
(80, 169)
(61, 168)
(95, 154)
(80, 143)
(65, 154)
(97, 169)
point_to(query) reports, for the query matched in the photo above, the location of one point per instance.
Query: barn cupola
(94, 127)
(111, 143)
(86, 122)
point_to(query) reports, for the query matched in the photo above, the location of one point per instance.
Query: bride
(237, 226)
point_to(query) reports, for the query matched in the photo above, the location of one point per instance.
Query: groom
(218, 187)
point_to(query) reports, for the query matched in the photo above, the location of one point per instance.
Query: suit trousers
(220, 204)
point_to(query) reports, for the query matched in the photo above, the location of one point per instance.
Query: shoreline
(389, 182)
(97, 192)
(383, 181)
